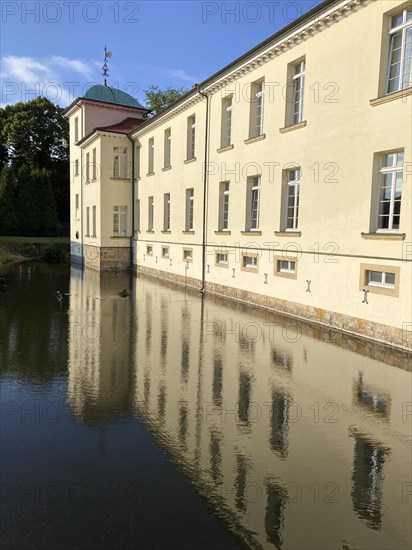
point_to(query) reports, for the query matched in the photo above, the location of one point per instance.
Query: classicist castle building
(283, 180)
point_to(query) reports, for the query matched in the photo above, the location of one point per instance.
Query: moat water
(164, 420)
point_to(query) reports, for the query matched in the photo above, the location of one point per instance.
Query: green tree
(34, 149)
(157, 99)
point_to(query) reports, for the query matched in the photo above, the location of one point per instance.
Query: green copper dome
(98, 92)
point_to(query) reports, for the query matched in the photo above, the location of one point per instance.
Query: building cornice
(308, 26)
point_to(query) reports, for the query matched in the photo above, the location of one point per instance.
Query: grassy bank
(49, 249)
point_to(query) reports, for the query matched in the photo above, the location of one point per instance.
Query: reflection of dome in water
(98, 92)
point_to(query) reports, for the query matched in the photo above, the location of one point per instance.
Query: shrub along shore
(47, 249)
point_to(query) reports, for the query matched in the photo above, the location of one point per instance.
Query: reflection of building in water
(276, 497)
(230, 419)
(279, 423)
(100, 345)
(370, 398)
(367, 479)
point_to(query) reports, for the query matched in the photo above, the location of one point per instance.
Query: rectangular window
(166, 212)
(253, 203)
(138, 215)
(94, 165)
(222, 259)
(226, 138)
(167, 148)
(390, 191)
(87, 167)
(119, 220)
(379, 279)
(149, 250)
(189, 209)
(191, 137)
(224, 206)
(76, 207)
(187, 254)
(76, 129)
(120, 162)
(151, 156)
(138, 160)
(94, 221)
(165, 251)
(87, 221)
(285, 267)
(298, 88)
(76, 167)
(249, 262)
(400, 51)
(150, 214)
(292, 199)
(256, 109)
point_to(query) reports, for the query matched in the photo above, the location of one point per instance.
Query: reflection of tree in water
(367, 480)
(275, 513)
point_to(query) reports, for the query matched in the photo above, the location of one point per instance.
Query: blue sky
(56, 48)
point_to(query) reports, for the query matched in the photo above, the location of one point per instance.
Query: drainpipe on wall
(205, 174)
(81, 192)
(133, 201)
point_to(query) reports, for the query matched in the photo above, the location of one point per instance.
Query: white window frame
(167, 148)
(138, 160)
(187, 255)
(150, 159)
(120, 163)
(404, 63)
(165, 251)
(226, 135)
(94, 164)
(76, 129)
(76, 167)
(94, 221)
(224, 199)
(166, 212)
(87, 167)
(149, 250)
(150, 213)
(120, 220)
(249, 262)
(257, 104)
(137, 214)
(292, 192)
(287, 266)
(253, 204)
(222, 258)
(395, 169)
(191, 137)
(298, 91)
(87, 221)
(76, 206)
(189, 223)
(383, 282)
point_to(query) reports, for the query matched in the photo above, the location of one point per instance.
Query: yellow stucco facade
(284, 180)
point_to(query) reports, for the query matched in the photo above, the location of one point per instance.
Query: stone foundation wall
(172, 277)
(107, 258)
(389, 336)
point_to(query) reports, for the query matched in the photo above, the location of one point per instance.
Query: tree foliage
(157, 99)
(34, 163)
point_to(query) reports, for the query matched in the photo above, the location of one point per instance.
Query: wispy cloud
(175, 73)
(26, 77)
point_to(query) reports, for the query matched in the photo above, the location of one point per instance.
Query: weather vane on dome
(105, 68)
